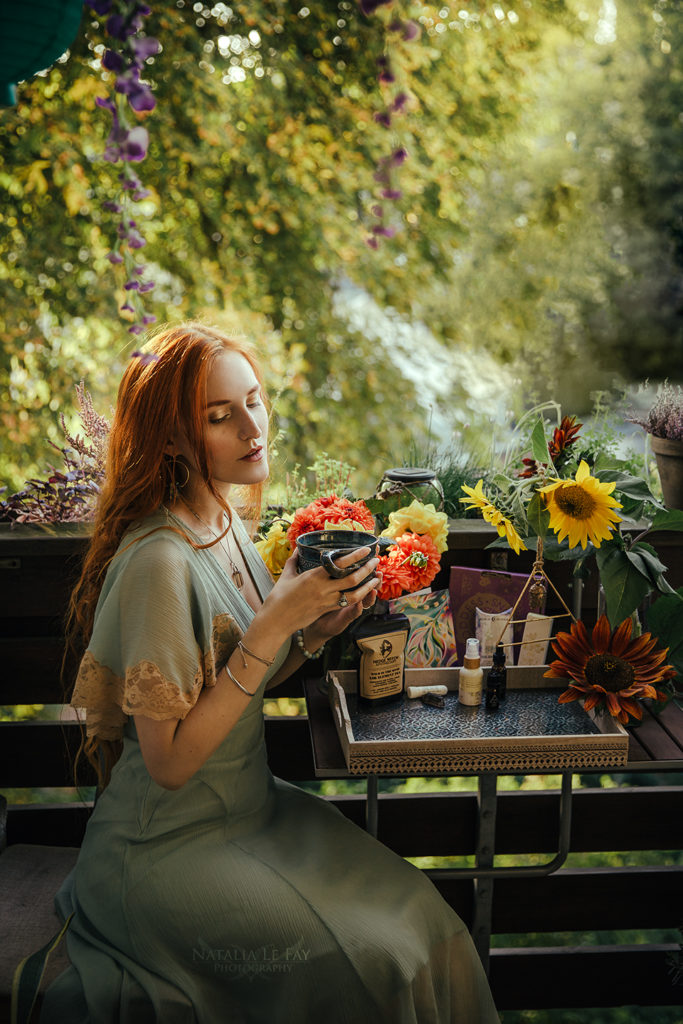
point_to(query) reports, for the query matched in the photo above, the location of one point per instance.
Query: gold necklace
(237, 577)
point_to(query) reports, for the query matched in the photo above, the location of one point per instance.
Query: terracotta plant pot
(669, 456)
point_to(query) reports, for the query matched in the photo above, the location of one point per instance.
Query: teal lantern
(33, 34)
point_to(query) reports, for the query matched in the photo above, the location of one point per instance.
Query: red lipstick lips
(253, 456)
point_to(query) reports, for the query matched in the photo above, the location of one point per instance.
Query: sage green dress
(237, 898)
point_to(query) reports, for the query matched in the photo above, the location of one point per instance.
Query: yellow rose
(419, 518)
(344, 524)
(274, 549)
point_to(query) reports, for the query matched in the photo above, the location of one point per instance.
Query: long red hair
(162, 391)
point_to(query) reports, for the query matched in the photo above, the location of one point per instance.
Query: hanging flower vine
(127, 143)
(395, 98)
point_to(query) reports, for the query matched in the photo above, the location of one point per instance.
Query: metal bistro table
(655, 745)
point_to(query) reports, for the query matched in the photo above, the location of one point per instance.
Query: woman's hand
(332, 623)
(299, 599)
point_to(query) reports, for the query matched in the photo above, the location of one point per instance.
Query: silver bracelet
(238, 683)
(302, 646)
(243, 649)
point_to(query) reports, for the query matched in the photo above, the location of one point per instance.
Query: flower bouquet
(419, 533)
(568, 504)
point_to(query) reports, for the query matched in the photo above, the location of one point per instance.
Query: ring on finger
(343, 601)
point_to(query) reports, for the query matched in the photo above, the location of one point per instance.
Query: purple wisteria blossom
(128, 143)
(387, 166)
(370, 6)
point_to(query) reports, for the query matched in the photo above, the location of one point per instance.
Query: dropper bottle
(471, 675)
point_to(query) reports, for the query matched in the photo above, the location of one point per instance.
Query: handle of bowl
(327, 561)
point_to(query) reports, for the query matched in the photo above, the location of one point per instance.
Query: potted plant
(664, 424)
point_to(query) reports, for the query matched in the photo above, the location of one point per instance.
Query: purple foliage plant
(68, 494)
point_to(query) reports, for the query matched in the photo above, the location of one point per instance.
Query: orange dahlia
(328, 511)
(396, 577)
(609, 669)
(418, 553)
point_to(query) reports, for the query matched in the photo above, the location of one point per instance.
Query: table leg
(483, 887)
(371, 806)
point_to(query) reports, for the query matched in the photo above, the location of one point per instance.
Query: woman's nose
(249, 427)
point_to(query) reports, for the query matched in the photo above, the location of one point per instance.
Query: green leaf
(538, 516)
(665, 621)
(555, 552)
(668, 519)
(630, 486)
(539, 445)
(625, 579)
(655, 567)
(582, 568)
(383, 506)
(649, 556)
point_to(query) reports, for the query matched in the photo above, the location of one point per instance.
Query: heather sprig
(665, 417)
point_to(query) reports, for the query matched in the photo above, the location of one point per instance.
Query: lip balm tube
(419, 691)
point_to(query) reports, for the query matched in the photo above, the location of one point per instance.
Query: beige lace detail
(108, 699)
(224, 636)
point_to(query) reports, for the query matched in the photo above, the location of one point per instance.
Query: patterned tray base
(530, 731)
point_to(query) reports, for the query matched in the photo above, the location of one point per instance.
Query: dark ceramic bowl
(321, 547)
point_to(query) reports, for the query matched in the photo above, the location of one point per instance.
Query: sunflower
(581, 509)
(610, 670)
(477, 499)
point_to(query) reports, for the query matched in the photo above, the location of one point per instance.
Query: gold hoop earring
(173, 485)
(177, 484)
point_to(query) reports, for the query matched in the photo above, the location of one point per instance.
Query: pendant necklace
(237, 577)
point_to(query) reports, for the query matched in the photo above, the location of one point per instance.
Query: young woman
(207, 891)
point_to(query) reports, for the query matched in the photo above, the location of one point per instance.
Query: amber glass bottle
(496, 679)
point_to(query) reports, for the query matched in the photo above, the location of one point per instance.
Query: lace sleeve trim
(109, 698)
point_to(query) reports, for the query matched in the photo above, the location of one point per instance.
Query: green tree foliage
(571, 263)
(261, 169)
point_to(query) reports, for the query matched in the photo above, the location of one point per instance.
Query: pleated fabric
(237, 898)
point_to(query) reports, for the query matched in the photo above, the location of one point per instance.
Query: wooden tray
(529, 732)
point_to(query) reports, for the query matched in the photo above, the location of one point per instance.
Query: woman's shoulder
(153, 541)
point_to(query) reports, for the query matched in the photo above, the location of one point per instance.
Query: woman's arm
(174, 749)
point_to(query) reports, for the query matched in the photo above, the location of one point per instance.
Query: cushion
(29, 879)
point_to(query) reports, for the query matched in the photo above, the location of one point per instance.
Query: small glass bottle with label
(471, 675)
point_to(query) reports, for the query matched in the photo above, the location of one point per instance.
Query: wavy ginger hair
(156, 398)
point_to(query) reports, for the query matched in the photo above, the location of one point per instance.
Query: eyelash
(221, 419)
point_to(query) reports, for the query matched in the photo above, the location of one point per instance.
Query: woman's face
(236, 424)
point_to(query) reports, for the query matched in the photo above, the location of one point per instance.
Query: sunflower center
(609, 671)
(575, 502)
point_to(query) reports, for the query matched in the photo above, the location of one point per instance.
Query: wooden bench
(43, 839)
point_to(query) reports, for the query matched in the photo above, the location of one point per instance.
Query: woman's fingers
(351, 557)
(359, 593)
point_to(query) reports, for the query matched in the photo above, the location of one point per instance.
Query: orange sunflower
(328, 511)
(609, 669)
